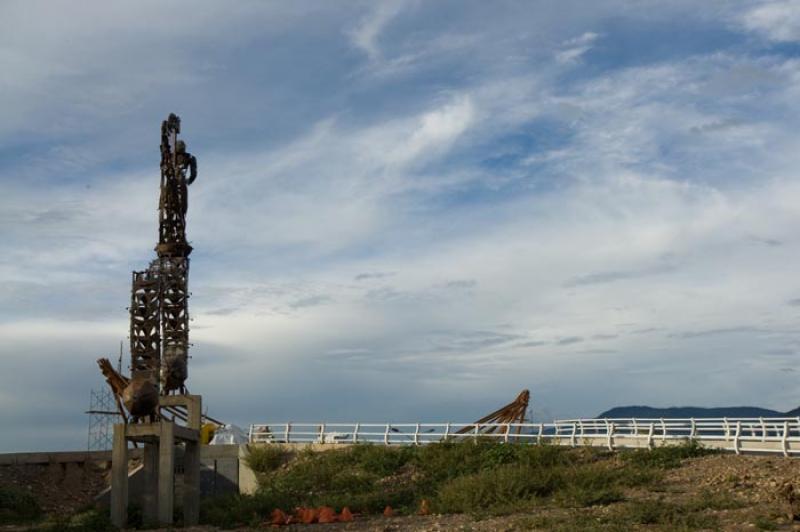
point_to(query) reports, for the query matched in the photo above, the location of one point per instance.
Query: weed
(265, 458)
(591, 485)
(475, 476)
(500, 490)
(90, 520)
(18, 506)
(675, 516)
(707, 500)
(667, 457)
(765, 523)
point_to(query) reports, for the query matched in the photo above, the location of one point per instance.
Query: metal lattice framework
(174, 275)
(145, 323)
(102, 413)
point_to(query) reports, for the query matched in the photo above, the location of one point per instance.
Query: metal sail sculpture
(512, 413)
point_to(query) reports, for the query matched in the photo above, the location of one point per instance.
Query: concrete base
(158, 468)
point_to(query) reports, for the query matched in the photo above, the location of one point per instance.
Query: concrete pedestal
(159, 441)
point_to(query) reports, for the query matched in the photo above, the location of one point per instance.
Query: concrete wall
(223, 468)
(219, 469)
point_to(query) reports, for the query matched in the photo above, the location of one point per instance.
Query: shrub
(591, 485)
(765, 523)
(707, 500)
(380, 460)
(265, 458)
(658, 512)
(90, 520)
(18, 506)
(443, 461)
(505, 488)
(229, 511)
(667, 457)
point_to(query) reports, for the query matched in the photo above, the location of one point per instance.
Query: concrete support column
(194, 409)
(191, 484)
(150, 493)
(166, 473)
(119, 478)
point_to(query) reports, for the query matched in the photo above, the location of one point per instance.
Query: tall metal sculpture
(159, 314)
(159, 336)
(173, 255)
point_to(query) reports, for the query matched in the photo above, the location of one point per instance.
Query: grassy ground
(483, 486)
(539, 487)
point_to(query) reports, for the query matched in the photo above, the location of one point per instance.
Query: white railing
(770, 435)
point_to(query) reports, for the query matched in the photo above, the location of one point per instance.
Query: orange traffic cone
(309, 515)
(278, 517)
(424, 508)
(326, 515)
(346, 515)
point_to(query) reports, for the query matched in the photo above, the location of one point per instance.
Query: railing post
(355, 433)
(611, 436)
(539, 435)
(322, 433)
(416, 435)
(505, 437)
(785, 439)
(663, 430)
(727, 428)
(447, 431)
(635, 429)
(693, 430)
(763, 429)
(475, 439)
(288, 430)
(736, 436)
(250, 434)
(650, 435)
(572, 436)
(386, 435)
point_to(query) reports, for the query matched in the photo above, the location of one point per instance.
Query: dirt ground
(59, 488)
(758, 483)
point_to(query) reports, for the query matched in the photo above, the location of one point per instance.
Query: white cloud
(365, 35)
(573, 49)
(775, 20)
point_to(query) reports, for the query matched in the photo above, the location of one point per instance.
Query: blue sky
(407, 211)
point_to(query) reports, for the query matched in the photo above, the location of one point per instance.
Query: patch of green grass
(592, 484)
(584, 521)
(763, 522)
(476, 476)
(89, 520)
(500, 490)
(673, 515)
(18, 506)
(229, 511)
(265, 458)
(708, 500)
(666, 457)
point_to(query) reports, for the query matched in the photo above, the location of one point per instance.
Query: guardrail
(751, 435)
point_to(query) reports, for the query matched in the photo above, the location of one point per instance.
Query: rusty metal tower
(159, 315)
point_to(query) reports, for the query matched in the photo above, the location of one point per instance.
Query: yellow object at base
(207, 432)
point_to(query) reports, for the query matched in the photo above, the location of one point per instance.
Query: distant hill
(695, 411)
